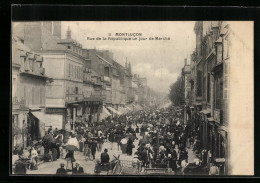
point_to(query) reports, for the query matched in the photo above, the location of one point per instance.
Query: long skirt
(54, 154)
(188, 143)
(129, 149)
(123, 148)
(69, 164)
(81, 146)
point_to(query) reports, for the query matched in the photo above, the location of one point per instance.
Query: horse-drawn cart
(124, 167)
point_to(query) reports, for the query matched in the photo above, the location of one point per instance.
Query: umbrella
(123, 141)
(150, 125)
(99, 128)
(48, 138)
(144, 141)
(71, 148)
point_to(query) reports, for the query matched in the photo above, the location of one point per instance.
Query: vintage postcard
(132, 98)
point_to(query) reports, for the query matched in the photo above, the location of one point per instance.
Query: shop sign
(79, 111)
(54, 110)
(217, 116)
(220, 160)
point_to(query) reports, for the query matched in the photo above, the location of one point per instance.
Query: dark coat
(61, 171)
(104, 157)
(79, 171)
(111, 137)
(129, 147)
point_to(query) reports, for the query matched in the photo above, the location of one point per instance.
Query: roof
(223, 31)
(187, 68)
(103, 59)
(219, 40)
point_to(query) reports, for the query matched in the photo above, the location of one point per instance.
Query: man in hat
(61, 170)
(214, 170)
(105, 157)
(78, 169)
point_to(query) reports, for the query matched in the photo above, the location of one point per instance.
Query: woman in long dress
(70, 159)
(54, 153)
(34, 158)
(129, 147)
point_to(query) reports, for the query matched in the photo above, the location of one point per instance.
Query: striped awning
(114, 110)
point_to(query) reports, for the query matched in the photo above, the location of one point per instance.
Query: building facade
(209, 89)
(28, 94)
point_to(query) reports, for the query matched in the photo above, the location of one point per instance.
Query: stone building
(29, 82)
(209, 88)
(66, 64)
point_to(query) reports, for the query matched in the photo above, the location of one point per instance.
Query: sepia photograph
(132, 98)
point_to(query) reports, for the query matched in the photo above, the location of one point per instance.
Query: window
(69, 47)
(228, 47)
(69, 71)
(218, 90)
(199, 83)
(208, 89)
(76, 92)
(107, 71)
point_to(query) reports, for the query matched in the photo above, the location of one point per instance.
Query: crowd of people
(164, 140)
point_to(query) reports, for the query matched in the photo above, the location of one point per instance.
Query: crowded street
(159, 132)
(89, 106)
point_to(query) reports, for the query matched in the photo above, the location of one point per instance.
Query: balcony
(107, 79)
(218, 116)
(42, 71)
(19, 104)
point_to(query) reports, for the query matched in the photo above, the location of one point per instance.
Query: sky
(159, 61)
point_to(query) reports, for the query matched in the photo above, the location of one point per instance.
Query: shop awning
(205, 112)
(106, 111)
(137, 107)
(128, 108)
(210, 119)
(123, 110)
(53, 120)
(114, 110)
(42, 117)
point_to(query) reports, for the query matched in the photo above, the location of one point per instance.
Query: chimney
(185, 60)
(126, 63)
(129, 67)
(68, 33)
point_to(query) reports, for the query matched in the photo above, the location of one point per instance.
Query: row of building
(206, 87)
(56, 82)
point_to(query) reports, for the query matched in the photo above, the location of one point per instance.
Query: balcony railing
(107, 79)
(218, 103)
(218, 116)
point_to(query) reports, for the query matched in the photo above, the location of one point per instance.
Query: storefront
(56, 116)
(86, 111)
(222, 153)
(205, 114)
(19, 124)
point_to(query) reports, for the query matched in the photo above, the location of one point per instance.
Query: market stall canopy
(134, 85)
(105, 113)
(138, 107)
(129, 107)
(123, 110)
(114, 110)
(41, 116)
(49, 119)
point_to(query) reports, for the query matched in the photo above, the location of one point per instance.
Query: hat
(62, 164)
(135, 156)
